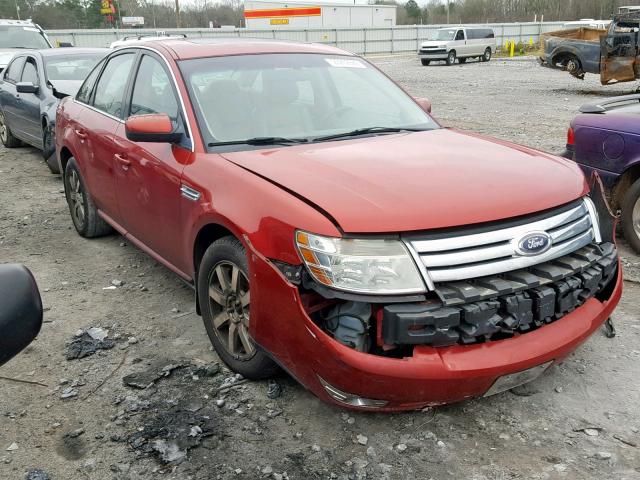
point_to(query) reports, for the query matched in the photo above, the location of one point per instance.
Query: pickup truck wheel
(223, 292)
(451, 57)
(8, 140)
(631, 216)
(425, 62)
(487, 55)
(83, 211)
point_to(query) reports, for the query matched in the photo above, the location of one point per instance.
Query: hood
(66, 87)
(418, 181)
(6, 54)
(435, 43)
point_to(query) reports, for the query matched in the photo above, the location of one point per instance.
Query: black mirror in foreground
(20, 310)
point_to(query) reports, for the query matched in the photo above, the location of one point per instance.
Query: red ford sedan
(331, 227)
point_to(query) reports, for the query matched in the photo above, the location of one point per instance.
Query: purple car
(605, 138)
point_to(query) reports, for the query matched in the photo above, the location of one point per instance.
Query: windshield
(70, 67)
(294, 96)
(19, 36)
(443, 35)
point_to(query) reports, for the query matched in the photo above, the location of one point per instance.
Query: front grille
(433, 50)
(477, 252)
(501, 306)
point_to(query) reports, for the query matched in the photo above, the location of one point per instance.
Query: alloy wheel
(229, 298)
(76, 199)
(487, 55)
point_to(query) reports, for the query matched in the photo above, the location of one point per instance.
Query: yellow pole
(513, 48)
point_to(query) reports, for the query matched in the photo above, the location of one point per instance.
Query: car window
(30, 72)
(13, 71)
(153, 92)
(113, 81)
(84, 94)
(460, 35)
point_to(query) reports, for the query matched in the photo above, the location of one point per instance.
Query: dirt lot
(83, 422)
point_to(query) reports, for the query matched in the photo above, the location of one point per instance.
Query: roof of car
(65, 51)
(23, 23)
(212, 47)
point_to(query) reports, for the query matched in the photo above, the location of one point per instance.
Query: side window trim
(126, 89)
(15, 59)
(99, 66)
(31, 59)
(182, 116)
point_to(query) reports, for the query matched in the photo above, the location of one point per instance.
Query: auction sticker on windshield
(345, 63)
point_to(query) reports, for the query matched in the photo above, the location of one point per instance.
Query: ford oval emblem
(534, 243)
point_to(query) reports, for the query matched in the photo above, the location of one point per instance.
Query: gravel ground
(155, 402)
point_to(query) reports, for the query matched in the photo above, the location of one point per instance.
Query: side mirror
(26, 87)
(156, 127)
(424, 103)
(20, 310)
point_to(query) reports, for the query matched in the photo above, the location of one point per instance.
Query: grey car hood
(6, 54)
(66, 87)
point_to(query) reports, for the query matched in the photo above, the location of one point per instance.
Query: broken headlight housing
(368, 266)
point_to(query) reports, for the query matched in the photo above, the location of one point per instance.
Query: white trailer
(273, 15)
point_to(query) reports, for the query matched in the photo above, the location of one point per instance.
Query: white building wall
(332, 15)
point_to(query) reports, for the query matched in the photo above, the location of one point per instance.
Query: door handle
(123, 160)
(80, 133)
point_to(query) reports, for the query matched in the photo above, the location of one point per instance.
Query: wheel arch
(65, 155)
(628, 178)
(207, 234)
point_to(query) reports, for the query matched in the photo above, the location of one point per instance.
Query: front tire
(487, 55)
(451, 58)
(223, 293)
(425, 62)
(84, 213)
(49, 149)
(631, 216)
(7, 138)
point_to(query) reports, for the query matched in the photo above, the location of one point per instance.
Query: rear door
(9, 95)
(148, 174)
(618, 53)
(96, 128)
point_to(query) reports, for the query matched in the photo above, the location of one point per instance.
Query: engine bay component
(349, 324)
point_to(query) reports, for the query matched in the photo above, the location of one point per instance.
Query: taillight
(570, 136)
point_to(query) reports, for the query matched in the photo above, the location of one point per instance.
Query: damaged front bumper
(428, 375)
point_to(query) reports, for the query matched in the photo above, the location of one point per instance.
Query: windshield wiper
(261, 141)
(365, 131)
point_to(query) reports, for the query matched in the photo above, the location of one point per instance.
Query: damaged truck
(612, 53)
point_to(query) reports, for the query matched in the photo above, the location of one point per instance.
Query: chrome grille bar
(465, 256)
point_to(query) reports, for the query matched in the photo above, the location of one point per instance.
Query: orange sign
(284, 12)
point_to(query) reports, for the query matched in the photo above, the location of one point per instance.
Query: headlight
(358, 265)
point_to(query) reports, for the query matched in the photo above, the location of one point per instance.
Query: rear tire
(451, 58)
(84, 213)
(425, 62)
(223, 293)
(487, 55)
(631, 216)
(7, 138)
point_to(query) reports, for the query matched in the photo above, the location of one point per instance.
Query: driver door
(148, 174)
(618, 54)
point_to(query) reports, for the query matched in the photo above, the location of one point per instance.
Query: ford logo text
(534, 243)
